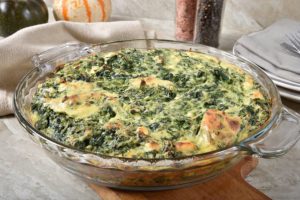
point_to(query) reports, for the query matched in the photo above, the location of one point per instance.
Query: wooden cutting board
(230, 185)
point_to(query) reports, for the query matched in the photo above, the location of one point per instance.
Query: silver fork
(293, 44)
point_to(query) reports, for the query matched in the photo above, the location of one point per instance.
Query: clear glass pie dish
(279, 133)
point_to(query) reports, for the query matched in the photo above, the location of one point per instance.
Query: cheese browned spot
(185, 146)
(151, 81)
(152, 146)
(142, 131)
(113, 125)
(257, 95)
(71, 100)
(220, 127)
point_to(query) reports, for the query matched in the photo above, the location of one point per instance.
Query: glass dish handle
(63, 53)
(282, 136)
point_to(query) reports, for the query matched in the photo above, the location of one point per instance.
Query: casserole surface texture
(157, 103)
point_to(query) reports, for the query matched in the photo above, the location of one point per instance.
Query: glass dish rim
(256, 134)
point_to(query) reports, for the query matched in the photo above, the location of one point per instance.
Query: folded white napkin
(265, 49)
(17, 50)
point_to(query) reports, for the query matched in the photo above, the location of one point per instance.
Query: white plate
(289, 94)
(284, 83)
(288, 84)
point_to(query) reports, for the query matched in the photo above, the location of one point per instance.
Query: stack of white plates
(287, 88)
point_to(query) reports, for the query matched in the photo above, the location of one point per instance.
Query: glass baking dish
(280, 132)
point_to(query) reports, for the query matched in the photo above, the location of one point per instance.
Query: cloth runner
(266, 49)
(17, 50)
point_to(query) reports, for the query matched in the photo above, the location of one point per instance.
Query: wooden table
(229, 185)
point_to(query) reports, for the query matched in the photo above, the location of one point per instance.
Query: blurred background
(257, 12)
(240, 16)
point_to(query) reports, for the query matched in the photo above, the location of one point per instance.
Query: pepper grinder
(199, 21)
(208, 22)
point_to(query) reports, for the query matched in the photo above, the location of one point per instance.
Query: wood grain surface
(230, 185)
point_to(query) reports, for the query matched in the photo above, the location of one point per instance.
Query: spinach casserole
(157, 103)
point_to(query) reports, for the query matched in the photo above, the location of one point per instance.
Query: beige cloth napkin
(17, 50)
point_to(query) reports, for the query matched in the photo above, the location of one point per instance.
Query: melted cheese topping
(159, 103)
(76, 97)
(82, 111)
